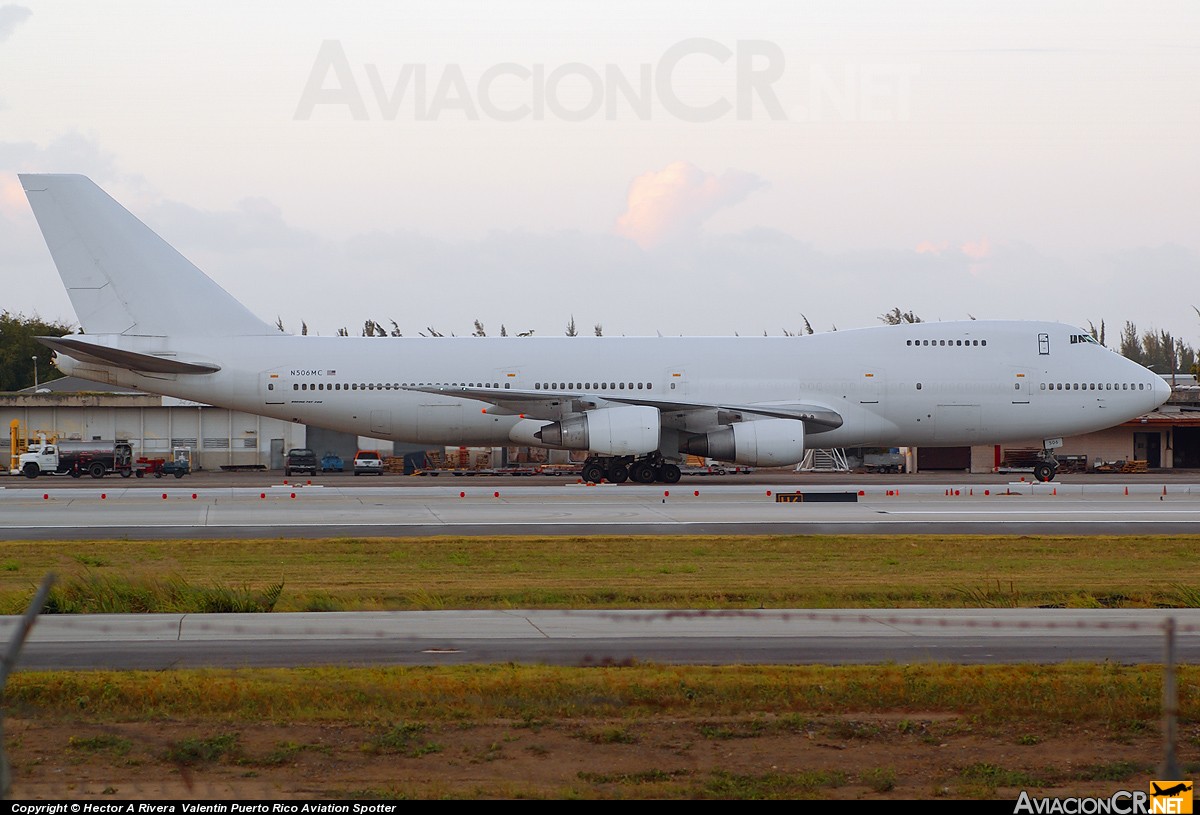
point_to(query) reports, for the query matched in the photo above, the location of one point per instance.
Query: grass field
(637, 731)
(867, 571)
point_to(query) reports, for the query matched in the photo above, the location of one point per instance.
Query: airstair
(832, 460)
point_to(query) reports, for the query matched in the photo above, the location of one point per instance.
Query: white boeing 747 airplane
(638, 405)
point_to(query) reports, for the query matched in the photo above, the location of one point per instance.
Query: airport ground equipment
(74, 458)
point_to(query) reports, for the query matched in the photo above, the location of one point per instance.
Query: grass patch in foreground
(96, 593)
(732, 571)
(792, 696)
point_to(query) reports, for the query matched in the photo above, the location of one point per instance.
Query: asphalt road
(579, 638)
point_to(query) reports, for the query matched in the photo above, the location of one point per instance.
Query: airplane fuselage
(938, 384)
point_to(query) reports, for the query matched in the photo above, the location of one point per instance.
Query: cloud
(11, 16)
(69, 153)
(931, 248)
(254, 224)
(666, 204)
(977, 250)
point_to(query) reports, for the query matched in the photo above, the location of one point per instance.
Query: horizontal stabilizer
(131, 360)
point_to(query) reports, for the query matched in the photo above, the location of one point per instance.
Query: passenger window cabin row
(1094, 386)
(927, 343)
(548, 386)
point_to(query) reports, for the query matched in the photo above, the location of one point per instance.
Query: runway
(140, 511)
(580, 638)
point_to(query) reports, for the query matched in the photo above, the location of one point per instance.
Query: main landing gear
(619, 469)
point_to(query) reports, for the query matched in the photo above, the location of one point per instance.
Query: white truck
(74, 458)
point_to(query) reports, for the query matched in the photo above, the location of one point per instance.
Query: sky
(668, 168)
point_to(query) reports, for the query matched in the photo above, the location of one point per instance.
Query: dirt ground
(899, 757)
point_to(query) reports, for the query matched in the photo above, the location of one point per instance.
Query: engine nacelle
(618, 431)
(764, 443)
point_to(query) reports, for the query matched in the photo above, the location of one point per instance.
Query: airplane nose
(1162, 390)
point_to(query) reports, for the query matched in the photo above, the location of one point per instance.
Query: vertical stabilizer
(123, 278)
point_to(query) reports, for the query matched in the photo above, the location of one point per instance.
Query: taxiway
(168, 509)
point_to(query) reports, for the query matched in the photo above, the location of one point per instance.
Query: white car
(368, 461)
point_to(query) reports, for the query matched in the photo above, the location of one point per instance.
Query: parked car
(300, 460)
(368, 461)
(331, 463)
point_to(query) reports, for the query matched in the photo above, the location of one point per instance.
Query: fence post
(9, 661)
(1170, 705)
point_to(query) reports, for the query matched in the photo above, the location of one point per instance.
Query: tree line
(18, 349)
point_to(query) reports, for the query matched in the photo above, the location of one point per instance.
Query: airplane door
(509, 378)
(871, 387)
(1020, 386)
(676, 381)
(381, 423)
(272, 385)
(869, 391)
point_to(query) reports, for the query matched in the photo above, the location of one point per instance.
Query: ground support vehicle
(368, 462)
(300, 460)
(179, 465)
(74, 458)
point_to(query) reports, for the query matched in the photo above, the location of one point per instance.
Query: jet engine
(620, 431)
(763, 443)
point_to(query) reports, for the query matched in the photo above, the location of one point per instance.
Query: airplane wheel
(1043, 472)
(618, 473)
(642, 472)
(593, 473)
(669, 474)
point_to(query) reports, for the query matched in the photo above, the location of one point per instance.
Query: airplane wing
(547, 404)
